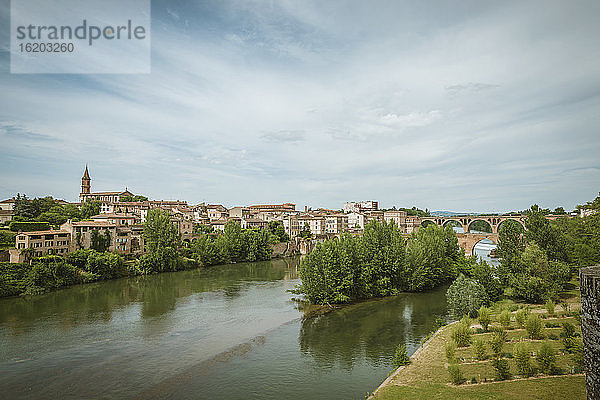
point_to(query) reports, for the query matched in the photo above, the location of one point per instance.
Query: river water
(226, 332)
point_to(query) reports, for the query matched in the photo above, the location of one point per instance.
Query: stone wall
(589, 278)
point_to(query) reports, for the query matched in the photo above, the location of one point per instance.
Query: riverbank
(427, 374)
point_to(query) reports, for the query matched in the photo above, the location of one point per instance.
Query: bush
(465, 296)
(479, 349)
(502, 369)
(49, 273)
(17, 226)
(546, 359)
(521, 317)
(462, 335)
(568, 330)
(484, 318)
(12, 278)
(400, 356)
(577, 356)
(450, 350)
(497, 342)
(534, 326)
(522, 353)
(456, 376)
(550, 307)
(504, 318)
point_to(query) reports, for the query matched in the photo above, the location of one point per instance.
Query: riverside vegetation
(166, 253)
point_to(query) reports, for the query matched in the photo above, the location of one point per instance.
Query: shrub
(502, 369)
(462, 335)
(450, 350)
(473, 380)
(400, 356)
(465, 296)
(550, 307)
(534, 326)
(497, 342)
(456, 376)
(521, 317)
(546, 359)
(577, 356)
(484, 318)
(522, 353)
(504, 318)
(49, 273)
(17, 226)
(568, 330)
(479, 349)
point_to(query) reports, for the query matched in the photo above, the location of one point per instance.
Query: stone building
(87, 194)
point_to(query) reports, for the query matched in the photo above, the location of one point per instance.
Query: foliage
(487, 275)
(103, 265)
(133, 198)
(12, 280)
(162, 240)
(352, 268)
(28, 226)
(568, 336)
(203, 229)
(90, 208)
(577, 356)
(538, 229)
(450, 349)
(484, 317)
(480, 226)
(521, 316)
(100, 242)
(502, 369)
(7, 238)
(235, 245)
(511, 245)
(462, 334)
(456, 376)
(400, 356)
(479, 349)
(465, 296)
(504, 318)
(546, 359)
(305, 232)
(534, 326)
(276, 228)
(550, 307)
(50, 273)
(522, 353)
(497, 342)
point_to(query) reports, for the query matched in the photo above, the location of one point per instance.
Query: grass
(427, 376)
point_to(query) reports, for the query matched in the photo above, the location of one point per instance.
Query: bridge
(467, 239)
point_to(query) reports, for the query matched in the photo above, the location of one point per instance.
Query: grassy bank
(427, 376)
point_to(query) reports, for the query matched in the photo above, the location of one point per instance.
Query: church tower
(86, 182)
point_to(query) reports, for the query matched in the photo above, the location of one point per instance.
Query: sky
(465, 106)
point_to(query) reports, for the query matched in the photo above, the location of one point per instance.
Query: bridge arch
(515, 220)
(470, 243)
(485, 225)
(426, 222)
(455, 223)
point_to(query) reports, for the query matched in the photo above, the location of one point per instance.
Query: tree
(465, 296)
(162, 240)
(511, 245)
(305, 232)
(100, 242)
(90, 208)
(547, 236)
(276, 228)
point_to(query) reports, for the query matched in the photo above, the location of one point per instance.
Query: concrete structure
(291, 225)
(589, 280)
(397, 217)
(316, 224)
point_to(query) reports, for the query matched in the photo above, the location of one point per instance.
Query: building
(336, 224)
(356, 220)
(361, 206)
(239, 212)
(40, 243)
(7, 210)
(216, 212)
(87, 194)
(291, 225)
(316, 224)
(397, 217)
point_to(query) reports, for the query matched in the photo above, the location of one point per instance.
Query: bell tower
(86, 182)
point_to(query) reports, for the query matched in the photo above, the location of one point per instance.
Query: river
(226, 332)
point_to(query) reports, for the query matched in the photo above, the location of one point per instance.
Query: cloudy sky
(446, 105)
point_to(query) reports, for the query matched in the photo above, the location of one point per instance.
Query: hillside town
(122, 220)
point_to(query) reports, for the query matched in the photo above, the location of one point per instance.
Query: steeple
(86, 182)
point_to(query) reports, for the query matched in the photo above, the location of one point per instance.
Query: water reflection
(370, 329)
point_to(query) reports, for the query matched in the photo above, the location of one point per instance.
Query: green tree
(465, 296)
(511, 245)
(522, 354)
(400, 356)
(100, 242)
(90, 208)
(484, 317)
(162, 240)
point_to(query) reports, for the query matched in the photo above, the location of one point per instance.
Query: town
(122, 215)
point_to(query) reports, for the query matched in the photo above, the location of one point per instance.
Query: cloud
(470, 87)
(285, 136)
